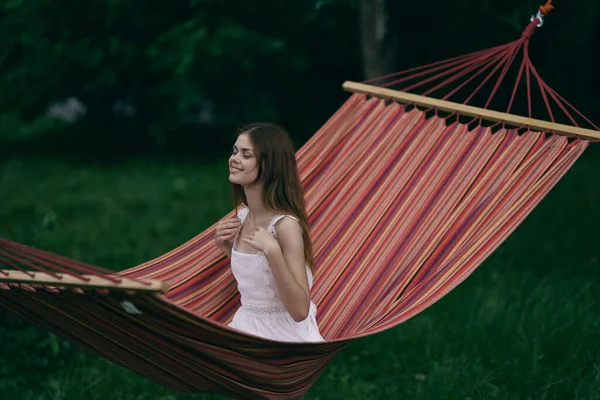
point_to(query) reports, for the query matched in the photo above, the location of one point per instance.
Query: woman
(269, 243)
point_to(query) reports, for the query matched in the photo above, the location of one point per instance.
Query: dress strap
(276, 218)
(242, 214)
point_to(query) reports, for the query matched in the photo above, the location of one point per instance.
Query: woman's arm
(289, 268)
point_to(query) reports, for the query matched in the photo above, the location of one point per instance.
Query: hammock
(405, 199)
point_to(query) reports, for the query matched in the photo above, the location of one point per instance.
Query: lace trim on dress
(264, 310)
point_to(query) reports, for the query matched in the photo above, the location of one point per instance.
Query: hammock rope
(474, 64)
(403, 204)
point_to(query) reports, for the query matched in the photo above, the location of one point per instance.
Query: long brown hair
(277, 170)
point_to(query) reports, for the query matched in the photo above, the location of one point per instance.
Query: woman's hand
(225, 233)
(262, 240)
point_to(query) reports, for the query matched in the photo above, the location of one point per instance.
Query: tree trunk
(378, 50)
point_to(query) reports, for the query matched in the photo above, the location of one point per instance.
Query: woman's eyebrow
(243, 148)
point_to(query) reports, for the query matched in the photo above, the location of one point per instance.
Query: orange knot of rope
(545, 9)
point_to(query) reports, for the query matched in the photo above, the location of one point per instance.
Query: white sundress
(262, 313)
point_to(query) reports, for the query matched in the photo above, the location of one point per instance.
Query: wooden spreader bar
(463, 109)
(90, 282)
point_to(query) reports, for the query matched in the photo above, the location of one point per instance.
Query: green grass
(525, 325)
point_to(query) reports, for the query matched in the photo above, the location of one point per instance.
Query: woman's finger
(250, 242)
(225, 226)
(228, 224)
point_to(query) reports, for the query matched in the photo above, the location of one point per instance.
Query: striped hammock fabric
(402, 209)
(403, 206)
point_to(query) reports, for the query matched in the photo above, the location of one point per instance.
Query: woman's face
(243, 163)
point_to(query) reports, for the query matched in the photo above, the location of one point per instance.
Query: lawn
(524, 326)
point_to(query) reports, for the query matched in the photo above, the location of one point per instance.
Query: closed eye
(247, 153)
